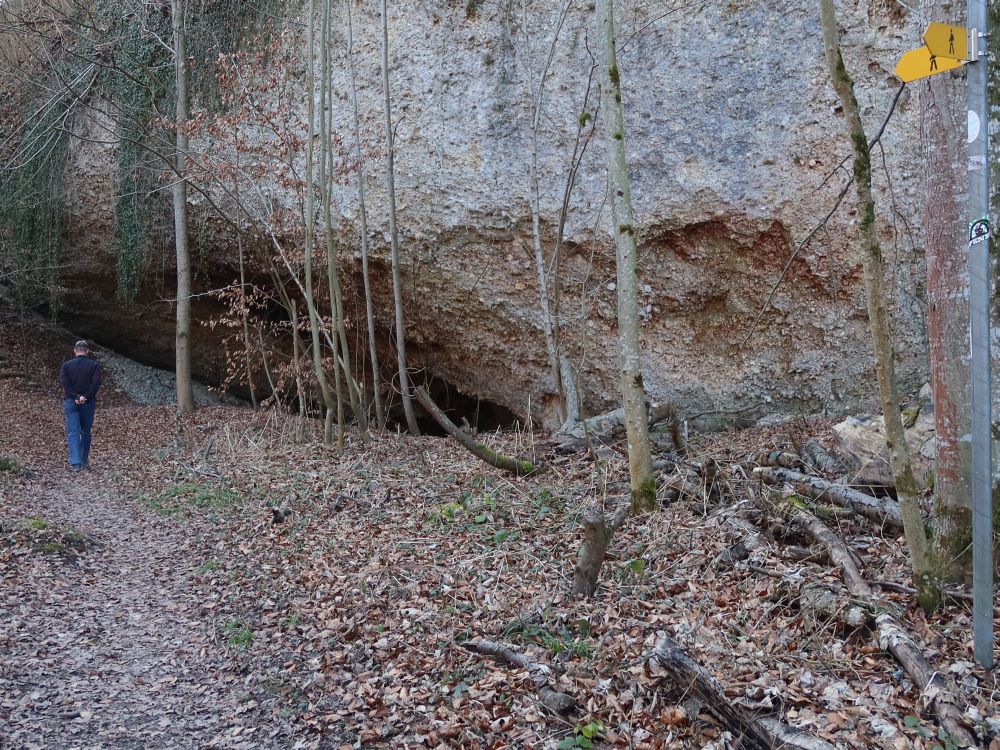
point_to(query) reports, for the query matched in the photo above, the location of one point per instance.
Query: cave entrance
(480, 414)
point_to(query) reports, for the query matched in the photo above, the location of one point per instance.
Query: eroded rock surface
(732, 129)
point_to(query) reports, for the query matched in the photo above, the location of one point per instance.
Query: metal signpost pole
(979, 310)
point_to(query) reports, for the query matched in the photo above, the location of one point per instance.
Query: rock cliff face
(732, 131)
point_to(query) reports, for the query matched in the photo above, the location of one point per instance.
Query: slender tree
(633, 390)
(185, 393)
(906, 487)
(363, 218)
(310, 225)
(328, 165)
(390, 184)
(550, 325)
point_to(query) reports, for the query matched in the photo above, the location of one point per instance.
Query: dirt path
(114, 649)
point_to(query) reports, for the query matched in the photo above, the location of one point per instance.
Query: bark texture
(688, 678)
(943, 106)
(881, 510)
(597, 533)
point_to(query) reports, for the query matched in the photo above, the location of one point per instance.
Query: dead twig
(541, 675)
(517, 466)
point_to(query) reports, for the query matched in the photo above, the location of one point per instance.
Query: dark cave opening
(480, 414)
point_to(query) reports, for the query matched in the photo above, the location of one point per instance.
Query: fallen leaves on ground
(337, 621)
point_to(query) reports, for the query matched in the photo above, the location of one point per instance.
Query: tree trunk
(390, 182)
(943, 108)
(878, 316)
(597, 534)
(310, 223)
(342, 350)
(363, 217)
(185, 393)
(633, 391)
(550, 325)
(244, 307)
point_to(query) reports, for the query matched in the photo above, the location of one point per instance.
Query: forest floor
(153, 602)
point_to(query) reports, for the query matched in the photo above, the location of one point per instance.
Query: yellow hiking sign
(945, 40)
(920, 63)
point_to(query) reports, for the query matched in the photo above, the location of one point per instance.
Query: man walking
(80, 378)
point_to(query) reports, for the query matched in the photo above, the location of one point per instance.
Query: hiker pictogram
(945, 40)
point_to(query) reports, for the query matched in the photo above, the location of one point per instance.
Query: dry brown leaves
(342, 621)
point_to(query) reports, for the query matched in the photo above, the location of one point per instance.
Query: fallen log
(597, 533)
(780, 459)
(820, 602)
(861, 443)
(935, 691)
(883, 510)
(821, 459)
(516, 466)
(686, 677)
(541, 675)
(607, 426)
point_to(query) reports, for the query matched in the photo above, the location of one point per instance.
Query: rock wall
(732, 132)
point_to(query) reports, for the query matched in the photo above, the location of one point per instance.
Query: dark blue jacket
(80, 376)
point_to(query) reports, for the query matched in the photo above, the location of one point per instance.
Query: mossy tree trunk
(878, 316)
(185, 393)
(633, 391)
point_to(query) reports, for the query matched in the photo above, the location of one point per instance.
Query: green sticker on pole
(979, 231)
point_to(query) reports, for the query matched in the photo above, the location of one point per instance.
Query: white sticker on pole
(973, 126)
(979, 231)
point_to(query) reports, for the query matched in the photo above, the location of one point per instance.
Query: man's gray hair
(81, 344)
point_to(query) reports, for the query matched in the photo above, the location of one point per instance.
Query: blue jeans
(79, 420)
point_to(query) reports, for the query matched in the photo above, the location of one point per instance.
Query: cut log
(935, 691)
(597, 533)
(608, 426)
(883, 510)
(780, 459)
(516, 466)
(541, 675)
(685, 482)
(685, 677)
(821, 459)
(861, 444)
(820, 602)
